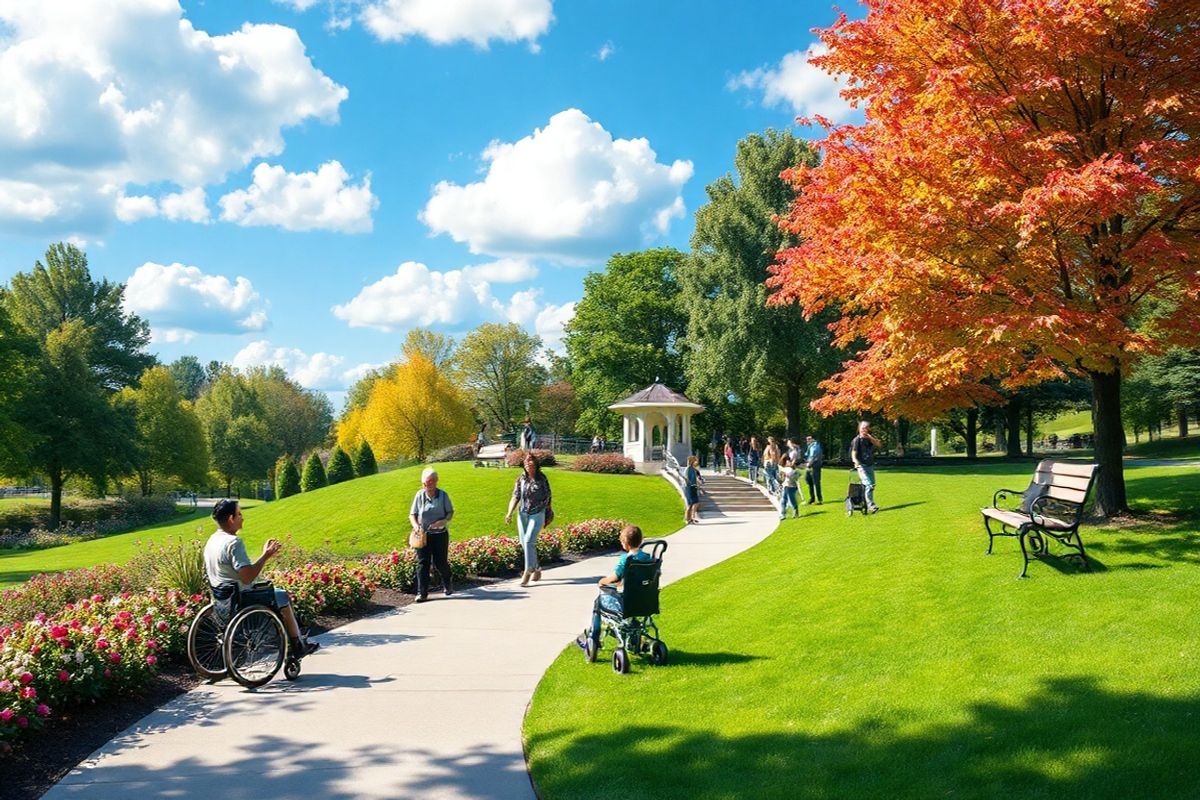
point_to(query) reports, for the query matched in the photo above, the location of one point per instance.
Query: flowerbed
(317, 588)
(544, 458)
(54, 591)
(91, 649)
(608, 463)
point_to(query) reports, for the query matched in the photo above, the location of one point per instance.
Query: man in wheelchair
(634, 628)
(231, 572)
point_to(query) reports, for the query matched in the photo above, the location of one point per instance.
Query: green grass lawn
(889, 657)
(370, 515)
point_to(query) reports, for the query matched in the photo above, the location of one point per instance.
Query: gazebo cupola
(658, 420)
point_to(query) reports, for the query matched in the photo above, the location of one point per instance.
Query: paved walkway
(423, 701)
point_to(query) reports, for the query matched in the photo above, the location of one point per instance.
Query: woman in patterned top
(532, 491)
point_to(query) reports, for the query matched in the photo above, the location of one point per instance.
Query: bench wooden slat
(1066, 481)
(1067, 494)
(1064, 468)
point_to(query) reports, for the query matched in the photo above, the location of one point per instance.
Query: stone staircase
(725, 494)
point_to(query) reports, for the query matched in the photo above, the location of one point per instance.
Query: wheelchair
(634, 628)
(250, 646)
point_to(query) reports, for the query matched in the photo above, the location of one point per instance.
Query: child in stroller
(627, 615)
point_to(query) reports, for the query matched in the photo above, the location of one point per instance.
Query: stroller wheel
(620, 661)
(658, 654)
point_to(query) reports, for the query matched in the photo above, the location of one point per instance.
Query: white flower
(79, 656)
(66, 657)
(87, 670)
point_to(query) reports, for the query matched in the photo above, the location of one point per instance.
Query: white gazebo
(658, 420)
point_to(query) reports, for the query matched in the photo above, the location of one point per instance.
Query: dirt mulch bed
(44, 757)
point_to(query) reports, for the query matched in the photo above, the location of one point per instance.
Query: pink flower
(162, 627)
(102, 644)
(26, 677)
(35, 649)
(6, 686)
(22, 722)
(40, 616)
(152, 659)
(59, 631)
(64, 676)
(28, 693)
(114, 657)
(6, 715)
(43, 710)
(151, 644)
(147, 619)
(107, 672)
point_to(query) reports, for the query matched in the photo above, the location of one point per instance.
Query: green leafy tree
(341, 469)
(314, 474)
(170, 437)
(287, 479)
(627, 332)
(18, 365)
(189, 376)
(240, 444)
(438, 348)
(298, 419)
(88, 349)
(768, 357)
(557, 408)
(364, 460)
(496, 366)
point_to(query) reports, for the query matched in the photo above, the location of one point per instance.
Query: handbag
(549, 514)
(417, 539)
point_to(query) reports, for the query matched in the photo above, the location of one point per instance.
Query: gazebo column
(643, 439)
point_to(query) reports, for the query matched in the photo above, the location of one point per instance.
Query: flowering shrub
(93, 648)
(516, 458)
(455, 452)
(55, 591)
(315, 588)
(591, 534)
(608, 463)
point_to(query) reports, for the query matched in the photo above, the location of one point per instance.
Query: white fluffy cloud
(190, 205)
(303, 201)
(606, 50)
(569, 192)
(806, 88)
(99, 95)
(317, 371)
(550, 323)
(180, 301)
(418, 295)
(449, 21)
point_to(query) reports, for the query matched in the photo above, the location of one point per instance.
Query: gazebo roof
(656, 394)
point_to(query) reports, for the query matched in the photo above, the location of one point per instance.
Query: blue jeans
(529, 526)
(752, 471)
(867, 474)
(789, 496)
(772, 473)
(609, 600)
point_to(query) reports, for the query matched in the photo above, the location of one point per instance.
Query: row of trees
(80, 398)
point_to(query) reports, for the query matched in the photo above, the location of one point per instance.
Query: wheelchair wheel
(204, 645)
(589, 647)
(658, 654)
(291, 670)
(255, 646)
(620, 661)
(849, 508)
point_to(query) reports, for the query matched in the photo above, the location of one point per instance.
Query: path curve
(422, 701)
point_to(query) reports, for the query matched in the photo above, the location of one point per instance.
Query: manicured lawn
(1176, 448)
(370, 515)
(888, 657)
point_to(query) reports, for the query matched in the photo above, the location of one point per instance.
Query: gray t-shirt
(224, 555)
(429, 510)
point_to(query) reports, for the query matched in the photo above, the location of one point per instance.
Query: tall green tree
(313, 476)
(240, 444)
(626, 333)
(18, 365)
(364, 460)
(287, 479)
(341, 469)
(1175, 378)
(438, 348)
(298, 419)
(89, 349)
(189, 376)
(768, 357)
(171, 440)
(496, 366)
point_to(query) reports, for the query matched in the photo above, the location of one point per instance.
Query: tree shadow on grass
(1072, 738)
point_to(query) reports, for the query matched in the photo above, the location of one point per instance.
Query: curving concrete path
(423, 701)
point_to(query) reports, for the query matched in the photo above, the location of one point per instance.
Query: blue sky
(300, 182)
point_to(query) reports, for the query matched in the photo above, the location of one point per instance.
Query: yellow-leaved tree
(411, 413)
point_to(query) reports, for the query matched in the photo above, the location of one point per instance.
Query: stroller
(634, 629)
(856, 498)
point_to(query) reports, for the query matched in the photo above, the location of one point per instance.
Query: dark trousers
(436, 552)
(813, 478)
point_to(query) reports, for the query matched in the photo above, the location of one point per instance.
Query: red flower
(26, 677)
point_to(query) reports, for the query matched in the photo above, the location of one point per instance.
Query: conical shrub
(364, 460)
(287, 480)
(340, 468)
(314, 474)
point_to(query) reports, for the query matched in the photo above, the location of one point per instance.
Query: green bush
(340, 468)
(89, 517)
(287, 480)
(455, 452)
(314, 474)
(364, 460)
(176, 563)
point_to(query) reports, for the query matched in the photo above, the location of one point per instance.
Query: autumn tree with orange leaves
(1021, 203)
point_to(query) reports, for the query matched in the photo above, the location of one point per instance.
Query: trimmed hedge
(287, 481)
(608, 463)
(364, 460)
(340, 467)
(314, 474)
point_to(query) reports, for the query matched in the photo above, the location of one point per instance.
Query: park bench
(1051, 507)
(493, 455)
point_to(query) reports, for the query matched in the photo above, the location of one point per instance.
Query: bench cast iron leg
(1024, 552)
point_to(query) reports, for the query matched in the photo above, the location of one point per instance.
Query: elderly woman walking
(431, 512)
(532, 492)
